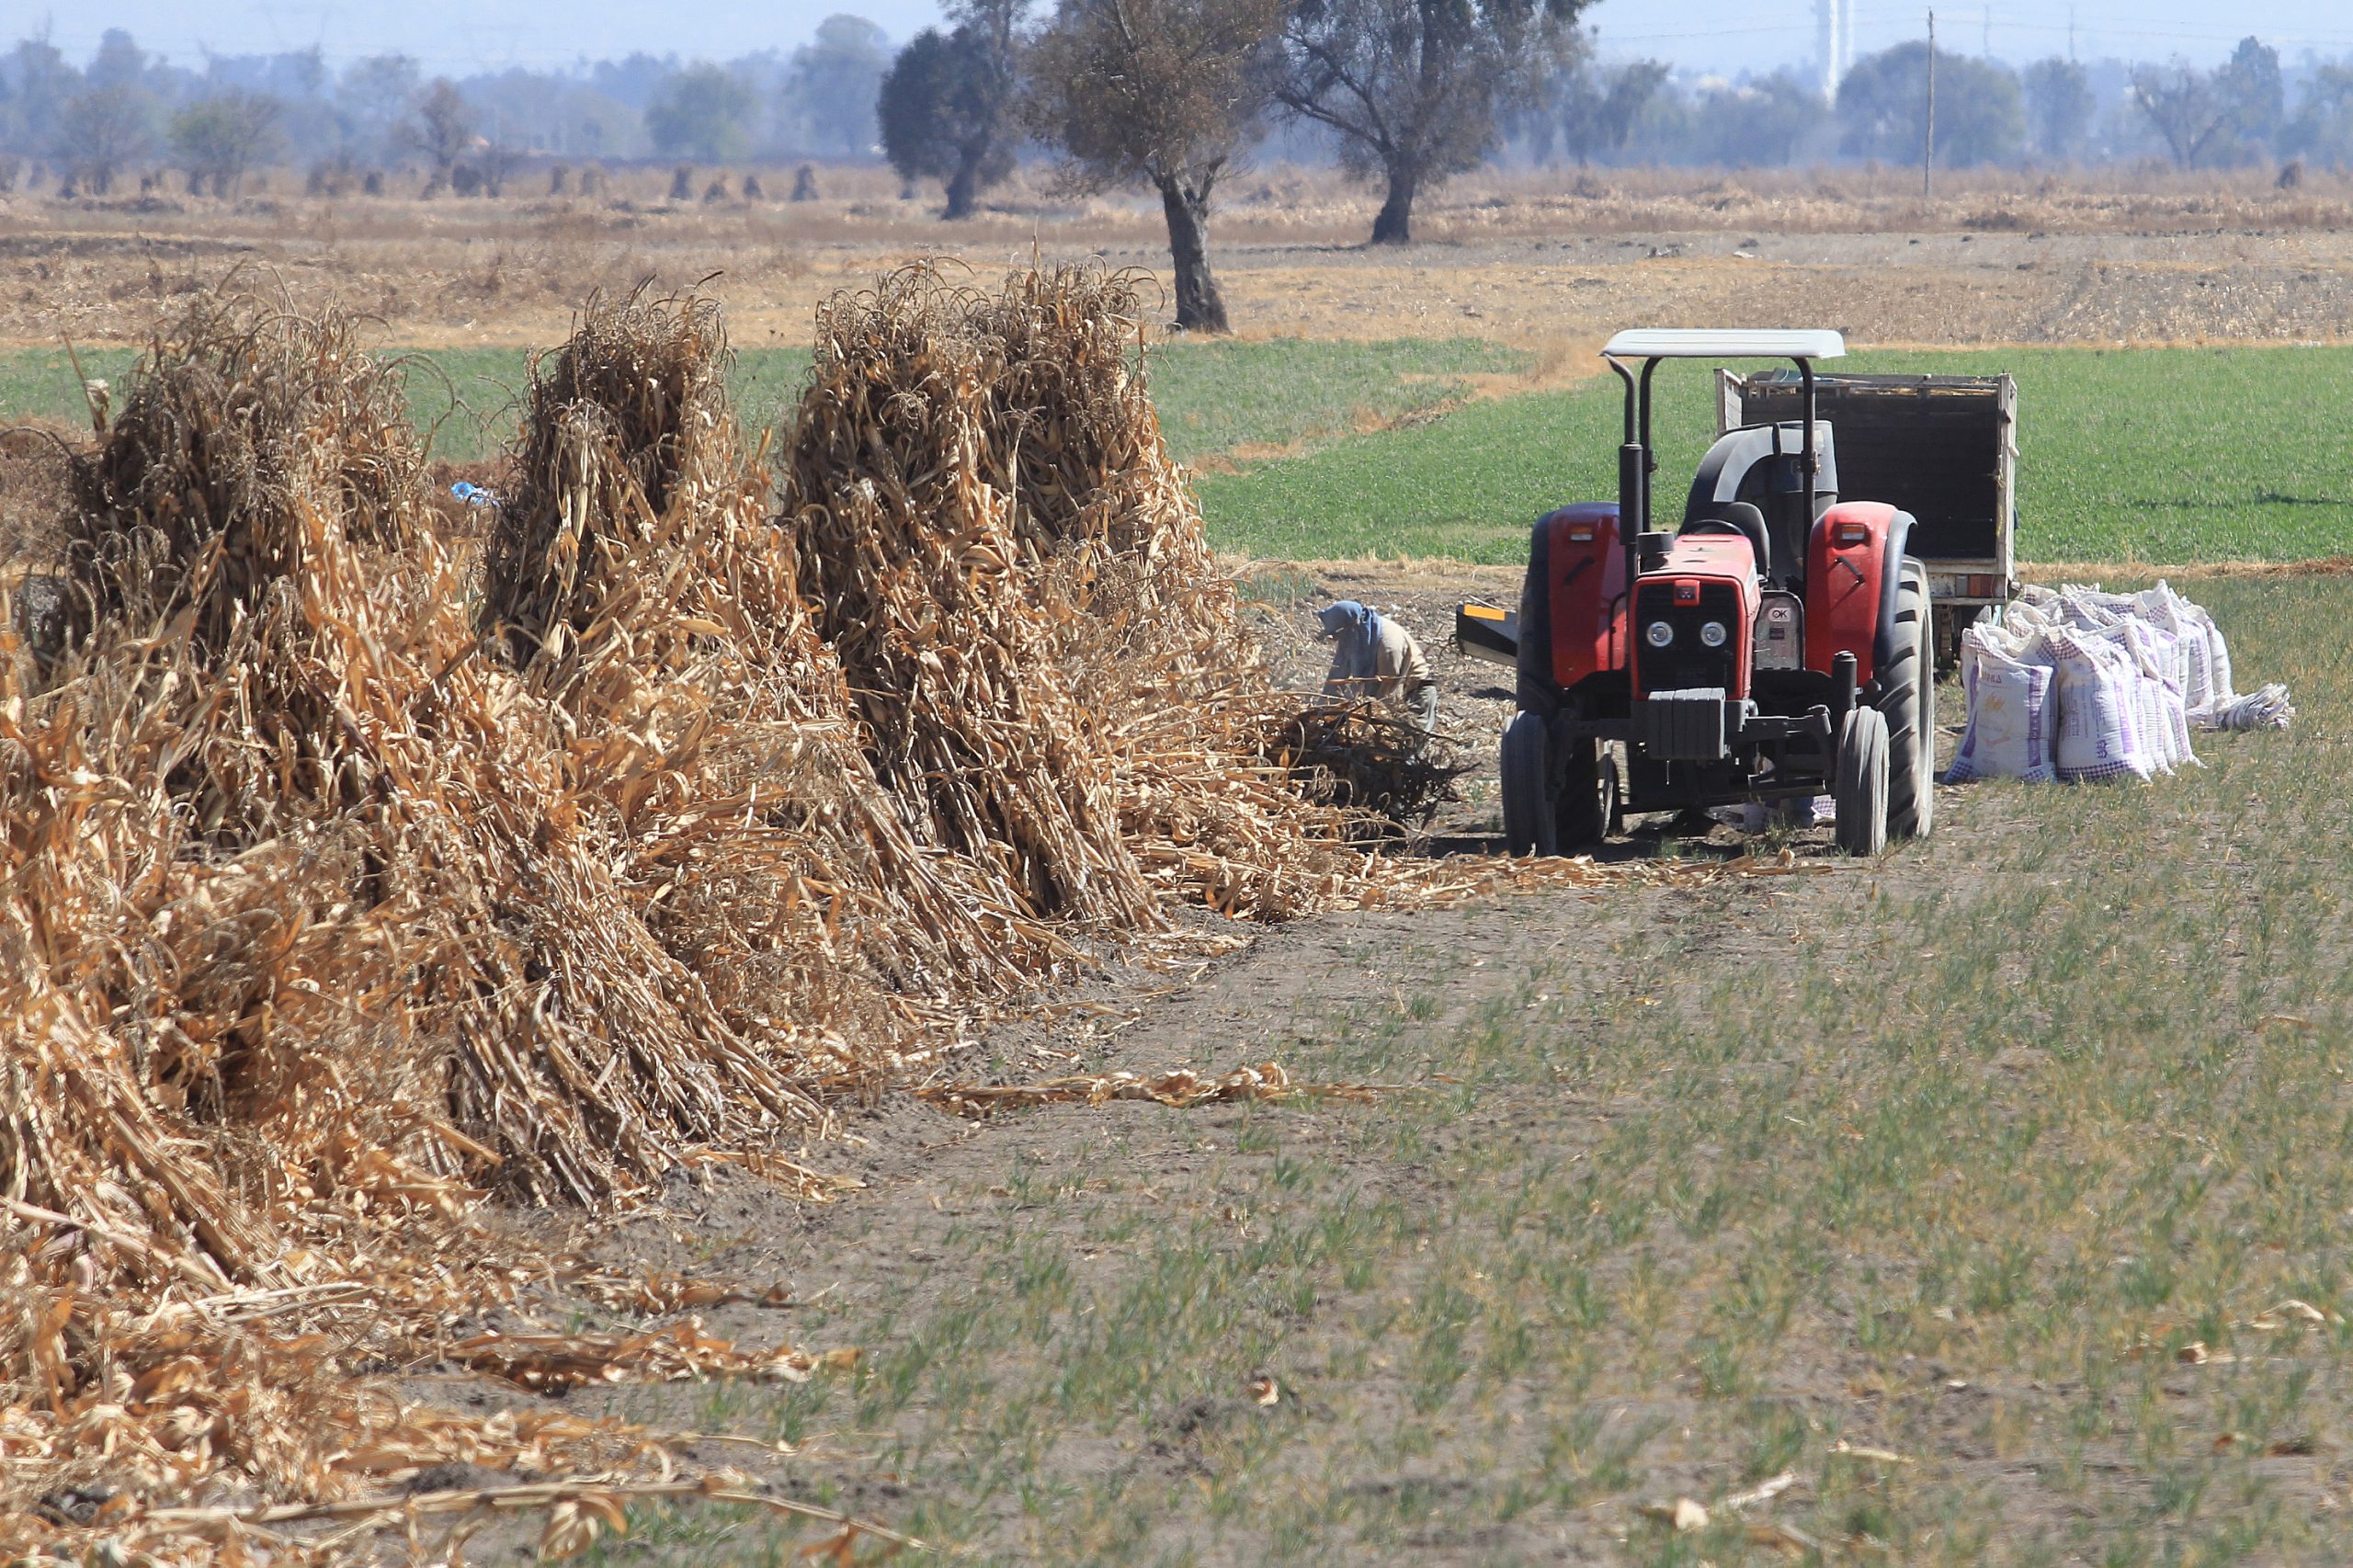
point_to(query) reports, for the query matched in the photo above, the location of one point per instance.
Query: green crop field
(1219, 397)
(2154, 455)
(2150, 455)
(1213, 397)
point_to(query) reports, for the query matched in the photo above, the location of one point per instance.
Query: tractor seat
(1744, 518)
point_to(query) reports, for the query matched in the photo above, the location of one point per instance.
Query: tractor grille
(1686, 662)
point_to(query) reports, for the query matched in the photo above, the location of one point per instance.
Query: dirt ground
(1549, 260)
(954, 1219)
(944, 1209)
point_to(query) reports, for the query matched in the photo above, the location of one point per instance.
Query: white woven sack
(2134, 639)
(2218, 655)
(2194, 669)
(2008, 733)
(2009, 639)
(2099, 711)
(2174, 706)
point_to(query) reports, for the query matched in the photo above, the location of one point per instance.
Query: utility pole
(1928, 145)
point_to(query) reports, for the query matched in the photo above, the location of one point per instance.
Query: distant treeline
(2250, 109)
(126, 110)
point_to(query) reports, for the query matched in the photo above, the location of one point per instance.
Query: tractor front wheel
(1528, 823)
(1587, 808)
(1861, 788)
(1912, 714)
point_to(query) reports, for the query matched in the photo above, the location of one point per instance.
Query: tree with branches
(2215, 118)
(2060, 106)
(700, 113)
(1883, 108)
(948, 108)
(1168, 92)
(833, 82)
(101, 130)
(441, 127)
(2322, 128)
(1411, 87)
(2250, 86)
(218, 138)
(2181, 106)
(1596, 107)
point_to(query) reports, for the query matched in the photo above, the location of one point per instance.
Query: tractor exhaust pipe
(1633, 469)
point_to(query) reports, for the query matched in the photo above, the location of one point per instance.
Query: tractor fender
(1572, 613)
(1850, 585)
(1890, 583)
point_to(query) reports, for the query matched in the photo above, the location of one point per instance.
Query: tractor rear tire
(1861, 789)
(1529, 825)
(1912, 714)
(1588, 799)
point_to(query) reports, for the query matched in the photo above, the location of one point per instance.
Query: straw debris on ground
(353, 880)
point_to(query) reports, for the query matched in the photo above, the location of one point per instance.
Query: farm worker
(1374, 656)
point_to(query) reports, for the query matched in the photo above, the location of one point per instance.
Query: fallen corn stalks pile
(348, 882)
(1371, 759)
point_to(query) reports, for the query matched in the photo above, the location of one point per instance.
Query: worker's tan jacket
(1399, 670)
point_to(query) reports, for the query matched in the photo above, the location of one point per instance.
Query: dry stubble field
(1558, 258)
(1983, 1203)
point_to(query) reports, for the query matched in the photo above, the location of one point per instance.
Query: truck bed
(1941, 448)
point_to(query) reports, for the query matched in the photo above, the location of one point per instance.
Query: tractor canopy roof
(1721, 343)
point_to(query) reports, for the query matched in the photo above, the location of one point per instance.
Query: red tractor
(1777, 645)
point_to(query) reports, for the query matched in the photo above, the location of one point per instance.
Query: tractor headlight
(1659, 633)
(1712, 634)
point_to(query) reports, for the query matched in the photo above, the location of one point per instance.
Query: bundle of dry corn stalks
(310, 935)
(1054, 672)
(1372, 760)
(331, 905)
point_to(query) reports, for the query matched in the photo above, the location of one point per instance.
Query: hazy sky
(458, 36)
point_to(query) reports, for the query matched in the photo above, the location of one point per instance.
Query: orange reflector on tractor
(1850, 533)
(1581, 536)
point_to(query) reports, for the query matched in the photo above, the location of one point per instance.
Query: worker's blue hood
(1338, 617)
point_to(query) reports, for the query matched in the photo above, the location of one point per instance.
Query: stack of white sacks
(2075, 684)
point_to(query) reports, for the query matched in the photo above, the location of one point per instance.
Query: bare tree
(441, 127)
(218, 138)
(2183, 107)
(1411, 86)
(1167, 91)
